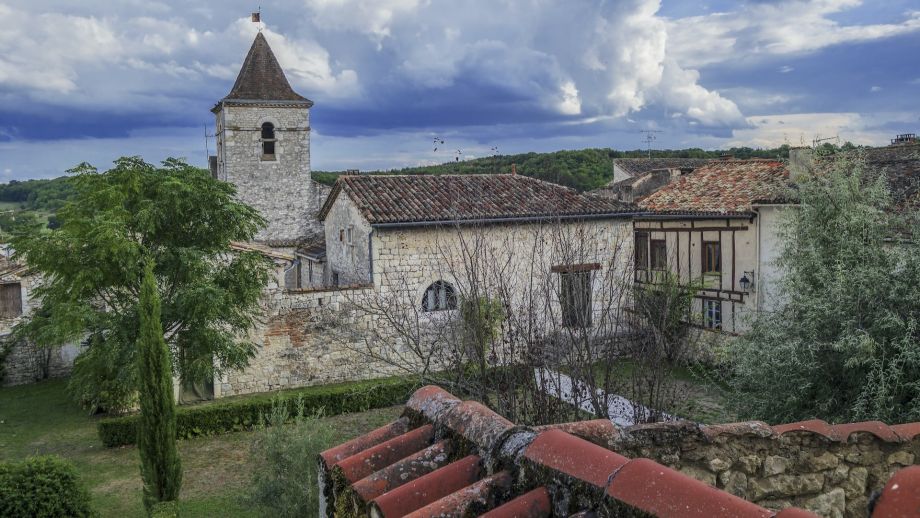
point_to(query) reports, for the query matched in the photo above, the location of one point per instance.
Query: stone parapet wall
(306, 338)
(830, 470)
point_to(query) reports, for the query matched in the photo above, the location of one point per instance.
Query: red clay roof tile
(876, 428)
(575, 457)
(533, 504)
(660, 491)
(364, 463)
(403, 474)
(478, 496)
(432, 402)
(368, 440)
(599, 431)
(477, 423)
(403, 471)
(428, 488)
(814, 426)
(901, 496)
(721, 187)
(432, 199)
(906, 431)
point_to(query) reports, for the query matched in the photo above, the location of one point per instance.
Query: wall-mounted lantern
(747, 282)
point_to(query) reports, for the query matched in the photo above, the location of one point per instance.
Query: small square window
(641, 245)
(712, 314)
(659, 254)
(712, 257)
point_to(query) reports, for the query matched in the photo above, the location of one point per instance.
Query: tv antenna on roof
(817, 140)
(649, 138)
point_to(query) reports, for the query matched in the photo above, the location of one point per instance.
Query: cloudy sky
(97, 79)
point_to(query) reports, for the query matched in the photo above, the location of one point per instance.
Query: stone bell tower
(263, 147)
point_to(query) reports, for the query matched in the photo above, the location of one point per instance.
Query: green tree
(161, 469)
(842, 346)
(182, 220)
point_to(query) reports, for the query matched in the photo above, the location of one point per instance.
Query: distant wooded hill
(583, 169)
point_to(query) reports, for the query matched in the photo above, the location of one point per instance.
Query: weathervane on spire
(257, 18)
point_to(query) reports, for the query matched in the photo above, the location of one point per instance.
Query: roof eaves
(500, 220)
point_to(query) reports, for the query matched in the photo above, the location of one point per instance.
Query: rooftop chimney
(513, 168)
(801, 161)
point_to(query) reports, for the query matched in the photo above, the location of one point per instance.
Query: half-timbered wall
(685, 244)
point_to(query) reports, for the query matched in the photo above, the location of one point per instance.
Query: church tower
(263, 148)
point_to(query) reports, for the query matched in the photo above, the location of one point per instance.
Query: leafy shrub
(42, 487)
(245, 413)
(286, 484)
(842, 343)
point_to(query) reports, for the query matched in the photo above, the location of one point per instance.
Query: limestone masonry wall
(830, 470)
(281, 189)
(304, 340)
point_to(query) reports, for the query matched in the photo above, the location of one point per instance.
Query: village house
(376, 235)
(23, 362)
(636, 178)
(719, 227)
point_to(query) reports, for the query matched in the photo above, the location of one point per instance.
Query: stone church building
(374, 236)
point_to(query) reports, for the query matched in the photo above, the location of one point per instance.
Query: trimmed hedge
(42, 486)
(245, 412)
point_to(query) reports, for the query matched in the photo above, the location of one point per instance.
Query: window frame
(16, 309)
(643, 262)
(268, 141)
(705, 265)
(575, 297)
(712, 314)
(652, 244)
(442, 295)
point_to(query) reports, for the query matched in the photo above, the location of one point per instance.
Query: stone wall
(281, 189)
(831, 470)
(26, 363)
(311, 337)
(306, 338)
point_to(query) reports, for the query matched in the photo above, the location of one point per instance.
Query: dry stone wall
(830, 470)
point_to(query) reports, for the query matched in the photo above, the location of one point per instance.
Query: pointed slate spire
(261, 77)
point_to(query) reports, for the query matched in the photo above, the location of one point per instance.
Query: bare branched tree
(537, 320)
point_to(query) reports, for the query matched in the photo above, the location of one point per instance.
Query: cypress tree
(161, 469)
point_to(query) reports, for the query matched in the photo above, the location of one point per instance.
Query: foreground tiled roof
(721, 187)
(388, 199)
(447, 457)
(261, 77)
(638, 166)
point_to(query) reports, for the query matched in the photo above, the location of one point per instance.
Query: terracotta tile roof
(431, 199)
(447, 457)
(721, 187)
(262, 79)
(639, 166)
(901, 496)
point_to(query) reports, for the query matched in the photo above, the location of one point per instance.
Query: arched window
(268, 141)
(440, 296)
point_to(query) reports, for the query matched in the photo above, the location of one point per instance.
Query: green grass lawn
(40, 419)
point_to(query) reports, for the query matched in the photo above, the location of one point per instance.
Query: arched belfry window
(440, 296)
(268, 141)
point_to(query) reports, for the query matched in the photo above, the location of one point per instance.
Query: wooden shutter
(10, 300)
